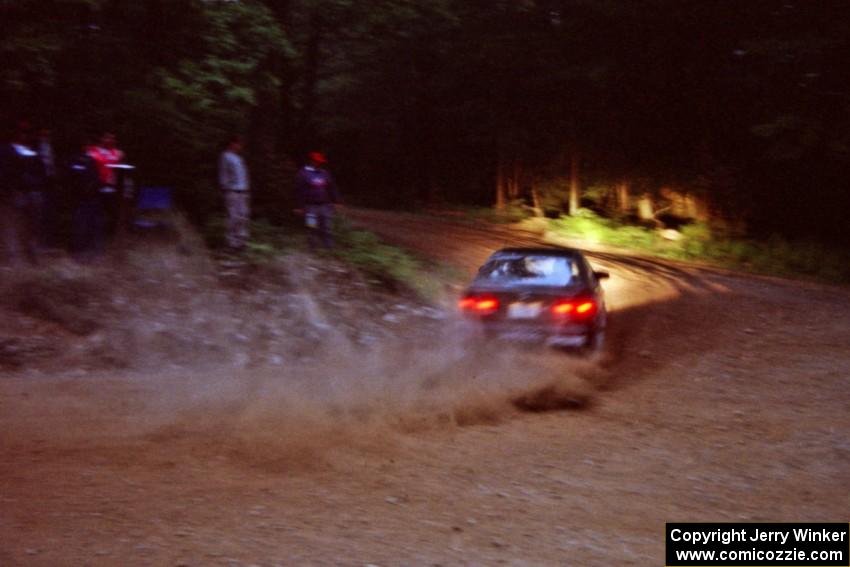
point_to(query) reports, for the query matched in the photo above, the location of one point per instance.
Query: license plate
(521, 336)
(520, 310)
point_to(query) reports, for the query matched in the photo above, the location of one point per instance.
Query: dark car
(544, 295)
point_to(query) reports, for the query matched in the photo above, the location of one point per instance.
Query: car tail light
(480, 305)
(563, 308)
(578, 309)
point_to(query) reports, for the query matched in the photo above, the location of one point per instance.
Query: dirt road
(725, 398)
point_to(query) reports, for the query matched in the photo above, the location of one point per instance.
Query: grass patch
(698, 242)
(587, 225)
(267, 240)
(388, 265)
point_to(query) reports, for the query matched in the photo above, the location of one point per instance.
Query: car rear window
(532, 269)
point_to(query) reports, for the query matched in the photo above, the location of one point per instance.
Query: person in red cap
(316, 194)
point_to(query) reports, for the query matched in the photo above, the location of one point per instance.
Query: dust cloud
(351, 397)
(339, 392)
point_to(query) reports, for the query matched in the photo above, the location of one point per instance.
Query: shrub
(587, 225)
(391, 266)
(267, 240)
(699, 241)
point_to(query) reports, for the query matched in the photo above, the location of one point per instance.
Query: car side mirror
(602, 275)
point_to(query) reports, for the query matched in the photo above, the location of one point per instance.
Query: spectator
(49, 231)
(235, 184)
(316, 194)
(83, 183)
(44, 149)
(21, 195)
(10, 216)
(105, 154)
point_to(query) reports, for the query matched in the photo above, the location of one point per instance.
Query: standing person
(44, 149)
(83, 183)
(316, 194)
(105, 154)
(21, 195)
(236, 186)
(11, 217)
(49, 231)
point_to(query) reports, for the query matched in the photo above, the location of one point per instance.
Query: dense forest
(745, 106)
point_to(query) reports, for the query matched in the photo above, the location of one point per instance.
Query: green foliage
(173, 79)
(416, 100)
(30, 44)
(699, 242)
(587, 225)
(389, 265)
(553, 191)
(190, 106)
(267, 241)
(226, 68)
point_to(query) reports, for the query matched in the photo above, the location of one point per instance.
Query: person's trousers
(20, 218)
(238, 205)
(50, 231)
(88, 228)
(319, 221)
(110, 202)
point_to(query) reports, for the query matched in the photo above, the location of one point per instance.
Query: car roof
(539, 250)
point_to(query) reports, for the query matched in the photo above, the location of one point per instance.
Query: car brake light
(585, 307)
(562, 308)
(479, 305)
(578, 309)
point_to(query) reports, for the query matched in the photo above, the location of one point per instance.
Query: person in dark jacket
(21, 195)
(316, 194)
(50, 230)
(83, 183)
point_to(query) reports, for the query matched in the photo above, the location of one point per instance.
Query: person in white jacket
(236, 186)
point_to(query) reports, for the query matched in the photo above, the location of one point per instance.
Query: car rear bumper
(564, 336)
(568, 341)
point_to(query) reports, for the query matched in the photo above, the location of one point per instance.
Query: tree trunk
(513, 182)
(535, 203)
(623, 201)
(284, 71)
(306, 134)
(575, 199)
(645, 208)
(501, 201)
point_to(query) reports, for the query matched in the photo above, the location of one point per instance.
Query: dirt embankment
(162, 309)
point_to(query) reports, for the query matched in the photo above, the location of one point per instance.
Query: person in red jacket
(106, 153)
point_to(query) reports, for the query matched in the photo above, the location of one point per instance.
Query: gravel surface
(723, 398)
